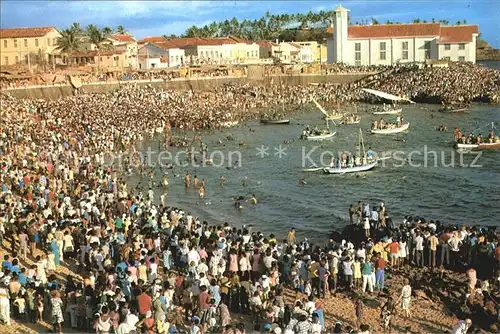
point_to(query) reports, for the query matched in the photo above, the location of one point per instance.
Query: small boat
(402, 128)
(452, 110)
(492, 142)
(319, 137)
(275, 121)
(387, 96)
(389, 112)
(327, 116)
(354, 169)
(229, 124)
(476, 147)
(333, 117)
(312, 169)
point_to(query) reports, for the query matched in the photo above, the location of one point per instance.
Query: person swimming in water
(302, 182)
(253, 199)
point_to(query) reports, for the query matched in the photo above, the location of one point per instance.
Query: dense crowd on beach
(459, 83)
(140, 265)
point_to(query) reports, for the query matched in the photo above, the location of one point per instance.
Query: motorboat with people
(387, 109)
(476, 142)
(352, 164)
(386, 128)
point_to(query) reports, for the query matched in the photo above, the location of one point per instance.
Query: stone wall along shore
(57, 91)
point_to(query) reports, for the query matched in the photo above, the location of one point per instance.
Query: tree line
(75, 37)
(298, 27)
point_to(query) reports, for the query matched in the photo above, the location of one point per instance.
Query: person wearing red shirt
(144, 302)
(393, 253)
(379, 273)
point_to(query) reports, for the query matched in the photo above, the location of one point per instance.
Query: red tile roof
(394, 30)
(448, 34)
(123, 38)
(25, 32)
(152, 39)
(458, 34)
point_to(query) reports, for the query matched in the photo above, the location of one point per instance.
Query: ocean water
(424, 177)
(490, 63)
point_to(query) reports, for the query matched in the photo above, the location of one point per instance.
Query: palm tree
(99, 38)
(120, 30)
(107, 31)
(69, 41)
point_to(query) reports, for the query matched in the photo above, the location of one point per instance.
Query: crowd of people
(458, 83)
(138, 264)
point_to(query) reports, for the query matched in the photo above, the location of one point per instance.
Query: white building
(160, 55)
(387, 44)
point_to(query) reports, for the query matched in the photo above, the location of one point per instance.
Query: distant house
(21, 45)
(221, 50)
(129, 44)
(106, 60)
(387, 44)
(160, 55)
(124, 42)
(285, 52)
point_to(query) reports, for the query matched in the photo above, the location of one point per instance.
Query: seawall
(57, 91)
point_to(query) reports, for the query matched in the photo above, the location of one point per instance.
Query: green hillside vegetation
(287, 27)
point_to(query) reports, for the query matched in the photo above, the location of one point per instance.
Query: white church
(388, 44)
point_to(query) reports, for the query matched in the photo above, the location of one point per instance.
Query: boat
(275, 121)
(354, 169)
(327, 116)
(265, 120)
(312, 169)
(452, 110)
(393, 111)
(402, 128)
(351, 122)
(387, 96)
(319, 137)
(324, 134)
(471, 144)
(229, 124)
(476, 147)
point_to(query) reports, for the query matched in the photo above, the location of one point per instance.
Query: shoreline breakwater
(55, 92)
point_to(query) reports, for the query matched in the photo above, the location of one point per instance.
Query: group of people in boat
(273, 116)
(384, 107)
(314, 132)
(473, 139)
(383, 125)
(347, 160)
(351, 119)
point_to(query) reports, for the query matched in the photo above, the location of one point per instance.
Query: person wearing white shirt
(419, 248)
(462, 327)
(454, 244)
(193, 256)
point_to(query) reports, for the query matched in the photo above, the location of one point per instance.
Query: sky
(155, 18)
